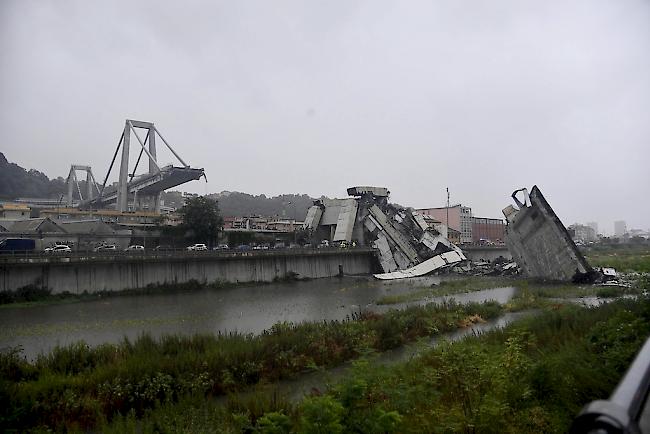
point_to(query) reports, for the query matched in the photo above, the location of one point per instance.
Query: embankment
(116, 273)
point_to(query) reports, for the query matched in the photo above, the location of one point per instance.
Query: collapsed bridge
(539, 242)
(406, 245)
(132, 191)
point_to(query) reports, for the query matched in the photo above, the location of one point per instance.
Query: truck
(9, 245)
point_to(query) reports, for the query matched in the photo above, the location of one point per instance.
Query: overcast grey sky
(312, 97)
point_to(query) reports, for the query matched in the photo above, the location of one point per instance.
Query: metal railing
(19, 257)
(622, 412)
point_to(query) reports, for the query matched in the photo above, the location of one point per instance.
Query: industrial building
(457, 217)
(620, 228)
(582, 233)
(14, 211)
(77, 234)
(488, 230)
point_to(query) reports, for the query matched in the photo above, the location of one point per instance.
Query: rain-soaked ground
(248, 309)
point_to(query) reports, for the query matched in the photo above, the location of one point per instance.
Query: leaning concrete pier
(91, 274)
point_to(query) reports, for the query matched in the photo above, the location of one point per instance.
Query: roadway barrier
(80, 272)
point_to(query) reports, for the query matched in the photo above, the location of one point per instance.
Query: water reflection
(248, 309)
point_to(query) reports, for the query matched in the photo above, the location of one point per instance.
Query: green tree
(201, 219)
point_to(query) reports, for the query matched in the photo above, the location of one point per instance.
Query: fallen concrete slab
(432, 264)
(539, 242)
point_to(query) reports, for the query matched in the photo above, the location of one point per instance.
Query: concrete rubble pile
(540, 244)
(406, 245)
(498, 267)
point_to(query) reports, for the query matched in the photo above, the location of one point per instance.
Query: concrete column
(154, 200)
(89, 186)
(70, 186)
(122, 190)
(155, 203)
(152, 149)
(135, 201)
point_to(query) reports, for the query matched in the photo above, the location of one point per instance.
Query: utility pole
(447, 212)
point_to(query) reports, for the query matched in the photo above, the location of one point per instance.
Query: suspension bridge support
(144, 190)
(73, 181)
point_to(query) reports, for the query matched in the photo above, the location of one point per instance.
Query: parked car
(197, 247)
(222, 247)
(135, 247)
(279, 246)
(323, 244)
(164, 248)
(243, 247)
(59, 248)
(109, 247)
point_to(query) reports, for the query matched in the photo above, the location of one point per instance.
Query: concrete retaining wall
(103, 274)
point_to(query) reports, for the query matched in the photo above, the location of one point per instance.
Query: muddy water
(249, 309)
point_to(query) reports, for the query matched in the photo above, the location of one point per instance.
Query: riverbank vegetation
(626, 258)
(533, 376)
(78, 387)
(540, 289)
(448, 287)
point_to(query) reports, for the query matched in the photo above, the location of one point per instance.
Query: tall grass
(79, 387)
(531, 377)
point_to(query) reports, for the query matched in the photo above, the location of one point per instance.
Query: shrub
(321, 415)
(274, 423)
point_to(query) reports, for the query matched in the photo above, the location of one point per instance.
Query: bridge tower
(153, 199)
(72, 181)
(144, 189)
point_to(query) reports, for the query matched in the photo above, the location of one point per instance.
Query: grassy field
(623, 259)
(533, 376)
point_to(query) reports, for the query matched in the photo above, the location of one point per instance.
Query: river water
(247, 309)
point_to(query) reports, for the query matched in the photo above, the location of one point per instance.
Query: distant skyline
(314, 97)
